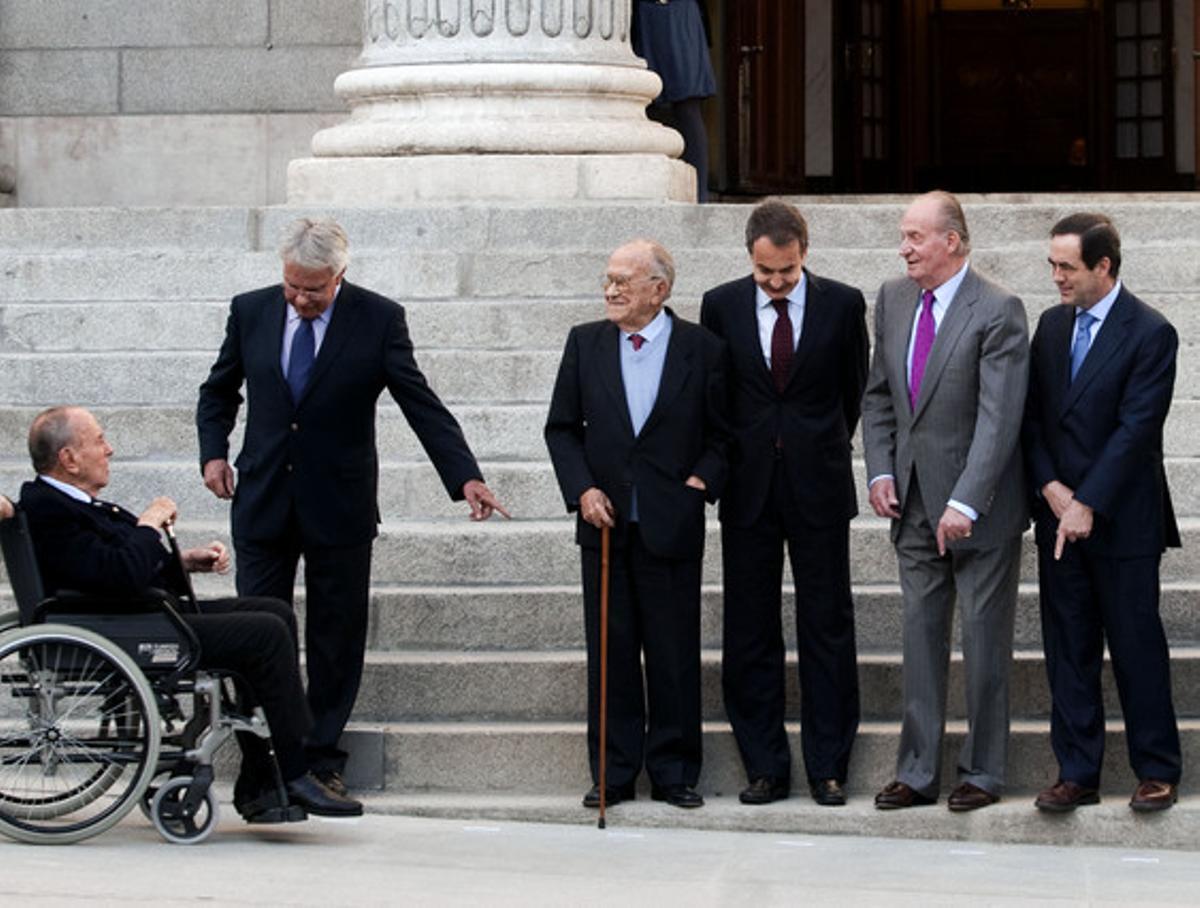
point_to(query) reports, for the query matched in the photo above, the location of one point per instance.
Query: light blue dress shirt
(641, 373)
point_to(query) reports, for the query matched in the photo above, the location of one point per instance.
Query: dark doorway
(866, 125)
(764, 85)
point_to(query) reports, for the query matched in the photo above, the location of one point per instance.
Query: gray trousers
(984, 581)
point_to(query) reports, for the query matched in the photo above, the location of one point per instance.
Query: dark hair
(1098, 238)
(777, 221)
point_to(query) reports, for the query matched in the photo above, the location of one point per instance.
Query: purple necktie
(637, 340)
(926, 332)
(781, 345)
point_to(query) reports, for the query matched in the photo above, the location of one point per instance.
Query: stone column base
(347, 181)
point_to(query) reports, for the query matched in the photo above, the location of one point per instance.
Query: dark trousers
(255, 638)
(1087, 599)
(337, 584)
(753, 676)
(653, 607)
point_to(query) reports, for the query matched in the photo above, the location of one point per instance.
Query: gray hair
(52, 430)
(662, 264)
(315, 243)
(952, 218)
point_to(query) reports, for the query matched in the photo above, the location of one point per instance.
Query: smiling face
(309, 290)
(1078, 285)
(633, 295)
(931, 253)
(777, 269)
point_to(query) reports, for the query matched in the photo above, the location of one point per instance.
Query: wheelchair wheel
(172, 820)
(79, 734)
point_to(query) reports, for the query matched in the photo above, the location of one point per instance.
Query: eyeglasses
(621, 284)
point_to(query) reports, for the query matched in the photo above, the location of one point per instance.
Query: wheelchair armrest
(153, 601)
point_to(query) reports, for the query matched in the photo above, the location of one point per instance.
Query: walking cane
(603, 671)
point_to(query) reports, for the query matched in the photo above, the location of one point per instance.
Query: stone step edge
(708, 655)
(1013, 820)
(1023, 727)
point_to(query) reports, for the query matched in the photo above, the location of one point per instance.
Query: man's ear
(1104, 266)
(67, 461)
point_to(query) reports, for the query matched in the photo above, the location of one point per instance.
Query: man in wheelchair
(94, 547)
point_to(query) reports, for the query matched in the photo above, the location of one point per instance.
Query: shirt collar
(796, 296)
(652, 330)
(66, 488)
(944, 294)
(1103, 306)
(294, 316)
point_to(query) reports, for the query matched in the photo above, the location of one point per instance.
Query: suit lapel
(810, 324)
(676, 368)
(340, 329)
(1109, 339)
(273, 338)
(608, 363)
(746, 324)
(953, 322)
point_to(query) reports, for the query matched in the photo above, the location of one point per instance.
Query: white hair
(315, 243)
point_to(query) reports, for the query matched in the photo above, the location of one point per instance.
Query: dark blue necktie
(1083, 341)
(300, 360)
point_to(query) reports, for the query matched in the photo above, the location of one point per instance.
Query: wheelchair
(102, 708)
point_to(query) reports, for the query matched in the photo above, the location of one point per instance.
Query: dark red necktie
(637, 340)
(781, 345)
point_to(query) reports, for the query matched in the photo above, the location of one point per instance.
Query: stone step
(550, 687)
(551, 618)
(832, 221)
(542, 553)
(496, 620)
(464, 326)
(550, 758)
(497, 432)
(513, 377)
(499, 273)
(801, 824)
(412, 491)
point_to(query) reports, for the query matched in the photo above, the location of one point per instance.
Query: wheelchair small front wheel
(175, 822)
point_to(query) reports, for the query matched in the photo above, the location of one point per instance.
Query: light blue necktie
(300, 360)
(1079, 349)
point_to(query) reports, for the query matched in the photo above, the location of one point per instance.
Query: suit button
(288, 467)
(295, 427)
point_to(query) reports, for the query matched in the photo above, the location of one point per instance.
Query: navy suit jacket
(1102, 434)
(95, 548)
(591, 441)
(316, 458)
(817, 412)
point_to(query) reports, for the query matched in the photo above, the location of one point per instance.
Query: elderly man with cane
(637, 433)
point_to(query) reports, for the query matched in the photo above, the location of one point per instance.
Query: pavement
(384, 859)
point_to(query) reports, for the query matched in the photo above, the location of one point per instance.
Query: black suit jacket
(591, 440)
(1102, 434)
(817, 412)
(95, 548)
(318, 457)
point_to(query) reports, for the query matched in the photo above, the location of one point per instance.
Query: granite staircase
(473, 699)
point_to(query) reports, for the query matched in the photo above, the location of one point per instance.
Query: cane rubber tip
(600, 825)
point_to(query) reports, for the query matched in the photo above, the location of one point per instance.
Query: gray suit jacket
(962, 440)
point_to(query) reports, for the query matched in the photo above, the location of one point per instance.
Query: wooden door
(1141, 135)
(765, 79)
(1014, 100)
(865, 116)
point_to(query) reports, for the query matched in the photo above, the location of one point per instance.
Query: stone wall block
(221, 79)
(132, 23)
(316, 22)
(46, 82)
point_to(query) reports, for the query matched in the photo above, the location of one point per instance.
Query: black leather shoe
(332, 779)
(611, 796)
(828, 792)
(765, 790)
(309, 793)
(677, 796)
(268, 807)
(898, 796)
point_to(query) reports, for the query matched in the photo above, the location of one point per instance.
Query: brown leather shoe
(1063, 796)
(970, 797)
(897, 795)
(1152, 795)
(828, 792)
